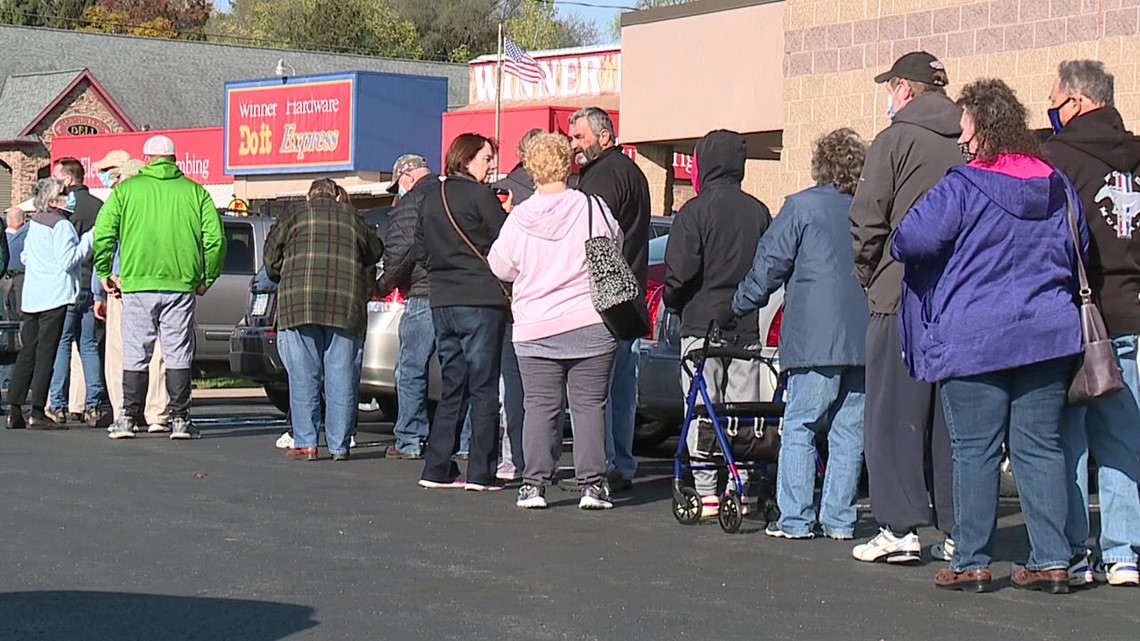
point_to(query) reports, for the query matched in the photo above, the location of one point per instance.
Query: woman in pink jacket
(560, 340)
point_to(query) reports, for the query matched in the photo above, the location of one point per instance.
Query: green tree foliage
(536, 25)
(57, 14)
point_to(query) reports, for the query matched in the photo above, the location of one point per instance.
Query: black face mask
(964, 147)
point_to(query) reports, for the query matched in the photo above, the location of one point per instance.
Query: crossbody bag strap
(1082, 275)
(590, 214)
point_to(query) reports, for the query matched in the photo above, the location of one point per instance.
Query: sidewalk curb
(240, 392)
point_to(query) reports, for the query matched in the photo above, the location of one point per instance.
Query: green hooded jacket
(167, 229)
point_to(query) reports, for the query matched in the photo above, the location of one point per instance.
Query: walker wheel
(731, 513)
(687, 506)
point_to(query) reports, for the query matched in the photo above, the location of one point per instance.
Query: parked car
(253, 343)
(660, 399)
(218, 311)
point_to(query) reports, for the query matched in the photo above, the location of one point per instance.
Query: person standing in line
(411, 179)
(79, 325)
(559, 337)
(109, 310)
(710, 249)
(171, 245)
(989, 311)
(607, 172)
(52, 256)
(323, 254)
(822, 341)
(459, 220)
(1094, 149)
(12, 279)
(904, 426)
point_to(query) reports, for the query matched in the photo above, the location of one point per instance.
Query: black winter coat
(621, 183)
(401, 269)
(87, 209)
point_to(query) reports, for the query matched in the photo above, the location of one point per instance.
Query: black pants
(39, 336)
(906, 442)
(469, 342)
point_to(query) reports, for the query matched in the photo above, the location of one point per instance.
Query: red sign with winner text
(300, 126)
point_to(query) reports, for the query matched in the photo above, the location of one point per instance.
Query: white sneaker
(1118, 574)
(285, 441)
(157, 428)
(1081, 572)
(943, 551)
(890, 548)
(352, 442)
(710, 506)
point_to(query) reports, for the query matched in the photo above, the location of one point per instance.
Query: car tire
(648, 434)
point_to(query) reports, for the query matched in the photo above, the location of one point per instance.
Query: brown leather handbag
(1098, 375)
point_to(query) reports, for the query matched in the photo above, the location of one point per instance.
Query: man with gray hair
(1101, 157)
(605, 171)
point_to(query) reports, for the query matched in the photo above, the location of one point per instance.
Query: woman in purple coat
(989, 312)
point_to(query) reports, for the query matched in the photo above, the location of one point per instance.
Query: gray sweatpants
(546, 383)
(742, 386)
(167, 317)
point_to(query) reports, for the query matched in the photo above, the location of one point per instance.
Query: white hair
(1088, 78)
(45, 192)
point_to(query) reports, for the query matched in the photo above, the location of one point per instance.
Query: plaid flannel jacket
(323, 254)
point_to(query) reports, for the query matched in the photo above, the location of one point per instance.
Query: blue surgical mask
(401, 191)
(70, 206)
(891, 106)
(105, 178)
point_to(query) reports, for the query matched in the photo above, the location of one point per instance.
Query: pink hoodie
(542, 250)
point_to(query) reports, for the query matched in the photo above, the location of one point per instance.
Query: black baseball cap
(918, 66)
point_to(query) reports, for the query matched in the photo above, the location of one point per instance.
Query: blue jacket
(990, 281)
(16, 249)
(53, 257)
(808, 250)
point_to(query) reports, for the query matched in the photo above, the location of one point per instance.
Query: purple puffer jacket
(990, 281)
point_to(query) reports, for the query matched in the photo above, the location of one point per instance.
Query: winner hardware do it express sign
(301, 126)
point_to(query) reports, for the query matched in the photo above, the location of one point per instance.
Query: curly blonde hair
(548, 158)
(837, 159)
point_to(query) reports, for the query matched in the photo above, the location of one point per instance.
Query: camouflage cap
(404, 164)
(129, 169)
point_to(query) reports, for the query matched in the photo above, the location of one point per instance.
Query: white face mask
(891, 106)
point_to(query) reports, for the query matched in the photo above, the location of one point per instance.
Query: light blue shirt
(53, 256)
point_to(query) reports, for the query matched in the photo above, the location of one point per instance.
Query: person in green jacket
(171, 247)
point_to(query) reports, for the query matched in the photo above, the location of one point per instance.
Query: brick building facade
(830, 51)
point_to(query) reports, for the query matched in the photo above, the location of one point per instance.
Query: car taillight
(774, 328)
(653, 295)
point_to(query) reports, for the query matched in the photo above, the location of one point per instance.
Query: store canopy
(223, 195)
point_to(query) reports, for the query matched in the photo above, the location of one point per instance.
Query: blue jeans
(818, 398)
(621, 411)
(417, 344)
(465, 434)
(470, 344)
(317, 357)
(78, 326)
(1025, 402)
(512, 403)
(1110, 429)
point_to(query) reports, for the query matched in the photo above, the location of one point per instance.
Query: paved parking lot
(224, 539)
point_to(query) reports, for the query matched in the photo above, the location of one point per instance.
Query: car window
(657, 230)
(657, 249)
(239, 249)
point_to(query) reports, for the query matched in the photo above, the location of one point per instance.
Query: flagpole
(499, 87)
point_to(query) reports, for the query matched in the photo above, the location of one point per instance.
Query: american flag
(519, 64)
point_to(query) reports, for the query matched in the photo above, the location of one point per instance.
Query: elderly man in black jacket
(710, 249)
(903, 417)
(411, 180)
(1102, 158)
(607, 172)
(79, 325)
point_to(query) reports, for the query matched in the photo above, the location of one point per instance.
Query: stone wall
(834, 48)
(27, 161)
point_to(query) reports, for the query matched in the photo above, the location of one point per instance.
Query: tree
(176, 19)
(615, 26)
(535, 24)
(365, 27)
(455, 30)
(57, 14)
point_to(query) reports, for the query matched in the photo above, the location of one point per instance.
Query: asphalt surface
(224, 539)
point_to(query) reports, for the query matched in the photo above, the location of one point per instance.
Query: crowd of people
(931, 323)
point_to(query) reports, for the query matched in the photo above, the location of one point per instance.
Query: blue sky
(602, 16)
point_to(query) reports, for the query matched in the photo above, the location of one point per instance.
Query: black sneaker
(595, 497)
(183, 429)
(531, 498)
(617, 483)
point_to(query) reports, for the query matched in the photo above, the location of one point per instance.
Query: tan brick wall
(834, 48)
(27, 161)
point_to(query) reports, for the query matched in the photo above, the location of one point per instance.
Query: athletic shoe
(773, 530)
(457, 484)
(594, 497)
(1081, 571)
(285, 441)
(1123, 575)
(943, 551)
(886, 546)
(531, 498)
